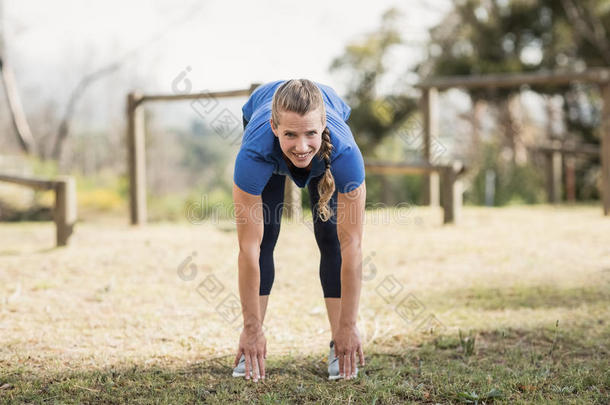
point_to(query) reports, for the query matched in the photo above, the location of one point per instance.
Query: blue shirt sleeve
(262, 93)
(348, 170)
(251, 173)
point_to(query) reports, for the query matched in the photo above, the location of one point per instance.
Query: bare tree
(26, 140)
(18, 118)
(64, 125)
(75, 95)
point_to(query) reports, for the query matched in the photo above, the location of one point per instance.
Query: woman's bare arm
(350, 220)
(250, 227)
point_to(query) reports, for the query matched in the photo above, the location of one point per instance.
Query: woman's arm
(249, 222)
(350, 220)
(250, 228)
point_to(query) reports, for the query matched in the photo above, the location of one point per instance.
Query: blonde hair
(302, 96)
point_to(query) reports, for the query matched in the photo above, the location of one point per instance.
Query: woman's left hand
(347, 346)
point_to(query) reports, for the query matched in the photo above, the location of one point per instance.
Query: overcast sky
(227, 44)
(224, 44)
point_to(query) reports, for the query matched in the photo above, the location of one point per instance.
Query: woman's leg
(272, 198)
(330, 255)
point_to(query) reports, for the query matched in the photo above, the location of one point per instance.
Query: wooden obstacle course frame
(64, 212)
(429, 108)
(450, 184)
(136, 134)
(558, 154)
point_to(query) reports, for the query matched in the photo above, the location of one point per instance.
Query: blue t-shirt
(260, 154)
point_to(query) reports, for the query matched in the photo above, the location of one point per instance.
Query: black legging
(325, 233)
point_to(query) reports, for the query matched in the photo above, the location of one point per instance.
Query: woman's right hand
(253, 345)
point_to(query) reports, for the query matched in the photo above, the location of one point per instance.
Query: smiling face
(300, 136)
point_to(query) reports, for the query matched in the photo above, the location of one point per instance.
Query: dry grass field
(124, 315)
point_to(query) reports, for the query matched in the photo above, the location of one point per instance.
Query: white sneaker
(240, 369)
(333, 364)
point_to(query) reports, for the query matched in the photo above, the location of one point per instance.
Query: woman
(297, 128)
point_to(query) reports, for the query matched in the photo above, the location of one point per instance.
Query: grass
(520, 296)
(509, 366)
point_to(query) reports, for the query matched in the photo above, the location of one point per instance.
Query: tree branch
(18, 118)
(596, 36)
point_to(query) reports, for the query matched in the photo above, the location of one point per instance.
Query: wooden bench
(450, 185)
(64, 213)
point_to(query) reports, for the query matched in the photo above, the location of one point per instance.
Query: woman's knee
(271, 234)
(326, 237)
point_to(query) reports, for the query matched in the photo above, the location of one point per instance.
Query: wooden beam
(605, 149)
(594, 75)
(377, 166)
(584, 149)
(32, 182)
(374, 166)
(191, 96)
(136, 159)
(429, 107)
(65, 209)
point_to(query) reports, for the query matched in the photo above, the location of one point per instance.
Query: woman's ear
(272, 126)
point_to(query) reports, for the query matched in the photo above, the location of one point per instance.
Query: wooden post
(136, 158)
(292, 200)
(452, 194)
(570, 178)
(429, 107)
(548, 165)
(605, 148)
(554, 173)
(557, 175)
(65, 209)
(434, 187)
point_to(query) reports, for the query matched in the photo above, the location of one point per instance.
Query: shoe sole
(240, 374)
(337, 377)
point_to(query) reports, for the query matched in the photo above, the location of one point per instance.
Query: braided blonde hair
(302, 96)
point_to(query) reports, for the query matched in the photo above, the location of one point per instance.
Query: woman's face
(300, 137)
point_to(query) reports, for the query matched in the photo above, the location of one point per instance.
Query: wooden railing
(136, 145)
(450, 184)
(600, 76)
(561, 166)
(64, 213)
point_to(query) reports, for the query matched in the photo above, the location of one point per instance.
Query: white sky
(228, 44)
